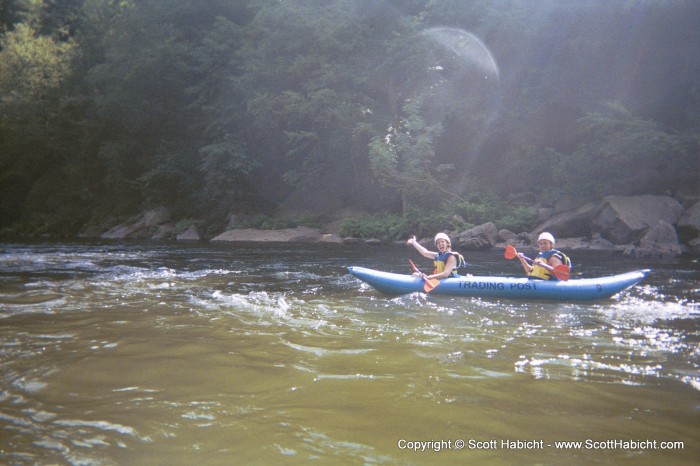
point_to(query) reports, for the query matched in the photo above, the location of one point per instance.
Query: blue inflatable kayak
(583, 289)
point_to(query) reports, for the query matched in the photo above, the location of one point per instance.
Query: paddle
(562, 272)
(430, 284)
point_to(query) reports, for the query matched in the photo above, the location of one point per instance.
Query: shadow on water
(140, 353)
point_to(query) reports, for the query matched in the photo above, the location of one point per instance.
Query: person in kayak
(446, 260)
(547, 255)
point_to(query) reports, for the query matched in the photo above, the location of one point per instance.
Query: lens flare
(470, 50)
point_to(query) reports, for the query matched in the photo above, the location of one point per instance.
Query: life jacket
(441, 260)
(543, 258)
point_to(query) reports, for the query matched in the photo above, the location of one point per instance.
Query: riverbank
(639, 226)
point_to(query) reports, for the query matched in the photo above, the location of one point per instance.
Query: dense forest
(402, 108)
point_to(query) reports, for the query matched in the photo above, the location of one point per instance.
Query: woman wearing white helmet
(547, 255)
(446, 260)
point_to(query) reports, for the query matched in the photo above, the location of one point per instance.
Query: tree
(208, 107)
(32, 70)
(140, 101)
(302, 107)
(31, 65)
(625, 154)
(404, 159)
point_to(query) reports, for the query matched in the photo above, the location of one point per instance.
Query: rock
(600, 243)
(330, 238)
(298, 234)
(191, 234)
(544, 213)
(694, 246)
(624, 220)
(659, 240)
(689, 223)
(232, 221)
(506, 236)
(567, 203)
(570, 224)
(141, 228)
(163, 231)
(597, 243)
(479, 238)
(91, 231)
(458, 219)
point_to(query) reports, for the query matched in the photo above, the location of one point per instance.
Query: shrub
(488, 208)
(388, 227)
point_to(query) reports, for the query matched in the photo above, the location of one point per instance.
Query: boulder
(689, 223)
(661, 240)
(569, 224)
(298, 234)
(191, 234)
(141, 228)
(232, 220)
(624, 219)
(545, 213)
(479, 238)
(162, 231)
(694, 246)
(597, 243)
(330, 238)
(507, 236)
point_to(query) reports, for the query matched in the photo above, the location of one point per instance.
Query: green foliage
(404, 158)
(516, 219)
(450, 217)
(488, 207)
(211, 107)
(36, 137)
(385, 227)
(32, 65)
(625, 154)
(427, 222)
(477, 212)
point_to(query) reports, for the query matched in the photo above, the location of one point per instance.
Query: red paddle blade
(562, 272)
(510, 252)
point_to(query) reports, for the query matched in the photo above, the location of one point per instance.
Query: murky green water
(144, 353)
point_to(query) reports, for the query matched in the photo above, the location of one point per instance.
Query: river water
(179, 354)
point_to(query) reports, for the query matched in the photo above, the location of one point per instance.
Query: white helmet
(442, 236)
(547, 236)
